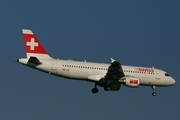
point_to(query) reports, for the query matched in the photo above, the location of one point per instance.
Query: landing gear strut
(153, 90)
(95, 89)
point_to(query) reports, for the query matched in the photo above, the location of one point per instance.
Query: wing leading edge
(115, 71)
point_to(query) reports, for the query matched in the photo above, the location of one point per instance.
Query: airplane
(109, 76)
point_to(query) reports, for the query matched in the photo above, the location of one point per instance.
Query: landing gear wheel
(106, 88)
(154, 94)
(153, 90)
(94, 90)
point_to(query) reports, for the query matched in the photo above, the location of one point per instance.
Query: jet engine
(130, 81)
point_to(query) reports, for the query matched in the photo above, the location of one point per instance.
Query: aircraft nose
(173, 81)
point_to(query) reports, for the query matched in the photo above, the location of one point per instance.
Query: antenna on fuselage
(112, 60)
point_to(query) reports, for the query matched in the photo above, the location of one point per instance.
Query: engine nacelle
(130, 81)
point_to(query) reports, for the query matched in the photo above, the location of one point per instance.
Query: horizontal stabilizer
(34, 60)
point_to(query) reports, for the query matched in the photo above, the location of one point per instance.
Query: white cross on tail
(32, 44)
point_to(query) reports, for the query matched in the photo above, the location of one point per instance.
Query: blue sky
(141, 33)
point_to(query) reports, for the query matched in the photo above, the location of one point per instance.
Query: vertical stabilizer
(33, 46)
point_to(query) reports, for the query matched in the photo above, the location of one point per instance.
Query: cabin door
(158, 75)
(54, 65)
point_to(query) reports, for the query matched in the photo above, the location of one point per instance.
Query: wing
(115, 71)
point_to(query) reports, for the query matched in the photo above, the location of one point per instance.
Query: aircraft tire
(154, 94)
(106, 88)
(94, 90)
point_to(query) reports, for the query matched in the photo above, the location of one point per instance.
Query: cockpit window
(166, 74)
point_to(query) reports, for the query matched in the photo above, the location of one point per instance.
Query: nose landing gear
(153, 90)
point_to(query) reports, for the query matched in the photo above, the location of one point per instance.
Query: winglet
(112, 60)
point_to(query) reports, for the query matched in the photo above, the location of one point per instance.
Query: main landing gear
(153, 90)
(95, 89)
(106, 88)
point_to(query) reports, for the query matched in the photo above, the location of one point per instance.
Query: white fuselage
(108, 76)
(89, 71)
